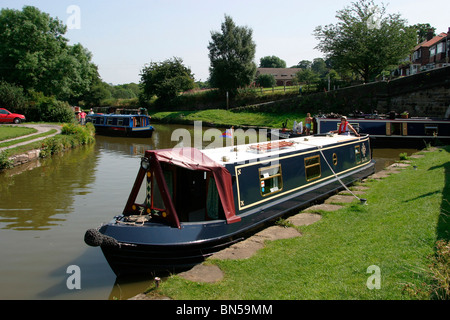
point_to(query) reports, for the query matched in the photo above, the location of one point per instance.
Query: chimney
(430, 34)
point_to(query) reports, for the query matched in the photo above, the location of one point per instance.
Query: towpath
(41, 128)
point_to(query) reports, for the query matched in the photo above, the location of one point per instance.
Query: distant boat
(127, 125)
(392, 130)
(187, 203)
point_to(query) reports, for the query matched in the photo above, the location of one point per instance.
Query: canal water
(46, 207)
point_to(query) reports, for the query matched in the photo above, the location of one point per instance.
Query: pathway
(41, 128)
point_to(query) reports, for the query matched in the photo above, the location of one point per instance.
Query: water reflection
(39, 199)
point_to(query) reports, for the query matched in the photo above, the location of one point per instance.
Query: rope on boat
(334, 173)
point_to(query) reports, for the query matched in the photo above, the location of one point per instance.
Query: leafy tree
(366, 40)
(35, 55)
(12, 97)
(166, 79)
(304, 64)
(306, 76)
(266, 80)
(319, 67)
(99, 91)
(272, 62)
(422, 30)
(231, 54)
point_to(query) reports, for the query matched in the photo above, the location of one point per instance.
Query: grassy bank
(72, 135)
(397, 232)
(226, 118)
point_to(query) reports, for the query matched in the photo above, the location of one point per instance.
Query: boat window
(102, 121)
(355, 126)
(110, 121)
(394, 129)
(271, 180)
(358, 154)
(431, 130)
(312, 168)
(119, 122)
(335, 159)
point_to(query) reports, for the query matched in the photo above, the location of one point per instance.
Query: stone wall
(25, 157)
(423, 94)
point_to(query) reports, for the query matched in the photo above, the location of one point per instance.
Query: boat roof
(116, 115)
(254, 151)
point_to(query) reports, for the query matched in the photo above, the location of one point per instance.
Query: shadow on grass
(443, 227)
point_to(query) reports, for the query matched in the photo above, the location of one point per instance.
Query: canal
(46, 207)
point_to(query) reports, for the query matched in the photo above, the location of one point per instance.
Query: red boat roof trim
(194, 159)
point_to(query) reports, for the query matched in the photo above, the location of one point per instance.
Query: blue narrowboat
(393, 131)
(187, 203)
(127, 125)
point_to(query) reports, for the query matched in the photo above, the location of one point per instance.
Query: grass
(397, 232)
(224, 118)
(9, 132)
(72, 135)
(44, 134)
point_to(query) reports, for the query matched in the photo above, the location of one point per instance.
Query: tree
(319, 67)
(422, 30)
(366, 40)
(35, 55)
(306, 76)
(266, 80)
(272, 62)
(166, 79)
(304, 64)
(231, 53)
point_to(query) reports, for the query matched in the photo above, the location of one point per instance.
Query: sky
(125, 35)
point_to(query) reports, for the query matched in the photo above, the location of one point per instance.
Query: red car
(6, 116)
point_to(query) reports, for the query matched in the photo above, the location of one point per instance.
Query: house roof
(433, 41)
(279, 73)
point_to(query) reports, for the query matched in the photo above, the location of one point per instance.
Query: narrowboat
(393, 130)
(187, 203)
(127, 125)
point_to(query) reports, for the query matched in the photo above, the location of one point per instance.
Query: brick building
(432, 53)
(283, 76)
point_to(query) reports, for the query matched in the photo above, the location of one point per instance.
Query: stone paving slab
(325, 207)
(339, 199)
(203, 273)
(355, 192)
(304, 219)
(248, 247)
(416, 156)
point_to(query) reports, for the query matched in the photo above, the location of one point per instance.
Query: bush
(5, 163)
(403, 156)
(266, 81)
(49, 109)
(72, 135)
(12, 97)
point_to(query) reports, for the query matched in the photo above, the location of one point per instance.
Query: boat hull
(153, 247)
(125, 132)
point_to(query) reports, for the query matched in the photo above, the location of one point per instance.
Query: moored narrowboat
(127, 125)
(187, 203)
(392, 130)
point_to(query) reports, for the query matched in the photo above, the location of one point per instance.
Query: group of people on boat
(345, 128)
